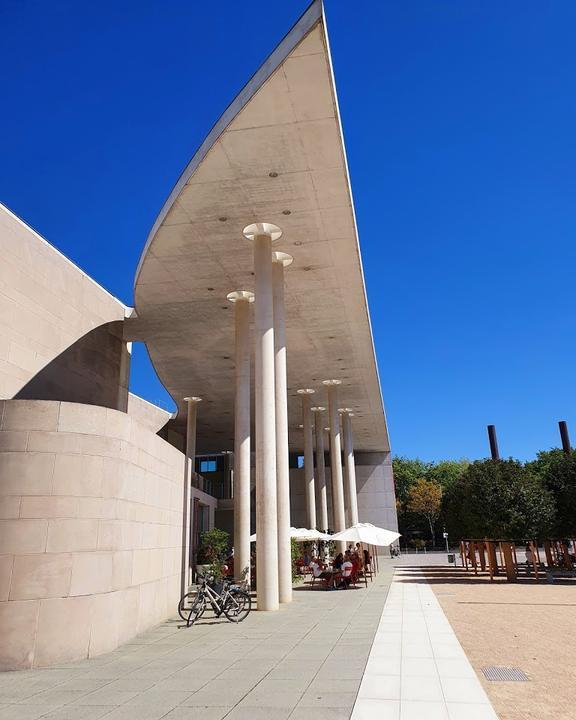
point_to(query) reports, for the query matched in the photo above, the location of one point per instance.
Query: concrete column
(309, 490)
(331, 503)
(227, 489)
(262, 235)
(350, 464)
(336, 458)
(241, 491)
(321, 499)
(187, 559)
(280, 261)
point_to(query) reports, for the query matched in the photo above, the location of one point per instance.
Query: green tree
(425, 499)
(406, 473)
(447, 472)
(557, 472)
(499, 499)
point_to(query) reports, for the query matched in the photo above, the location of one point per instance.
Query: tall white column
(344, 475)
(322, 498)
(187, 559)
(280, 261)
(336, 458)
(350, 465)
(262, 235)
(331, 521)
(241, 492)
(309, 490)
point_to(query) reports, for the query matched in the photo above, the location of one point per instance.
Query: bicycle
(229, 599)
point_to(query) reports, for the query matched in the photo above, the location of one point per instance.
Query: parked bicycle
(223, 597)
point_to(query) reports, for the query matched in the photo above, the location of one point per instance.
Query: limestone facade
(90, 531)
(47, 306)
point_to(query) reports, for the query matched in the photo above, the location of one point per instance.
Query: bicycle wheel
(237, 605)
(197, 609)
(185, 604)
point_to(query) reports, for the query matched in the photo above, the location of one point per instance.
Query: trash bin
(451, 558)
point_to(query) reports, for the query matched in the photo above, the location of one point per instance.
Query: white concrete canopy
(276, 153)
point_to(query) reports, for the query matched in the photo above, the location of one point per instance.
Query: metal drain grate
(504, 674)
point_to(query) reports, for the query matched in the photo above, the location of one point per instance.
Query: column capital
(282, 258)
(345, 411)
(240, 295)
(256, 229)
(193, 399)
(306, 391)
(317, 409)
(330, 383)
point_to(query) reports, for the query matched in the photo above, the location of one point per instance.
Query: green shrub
(213, 546)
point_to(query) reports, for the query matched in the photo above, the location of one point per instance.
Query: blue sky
(459, 122)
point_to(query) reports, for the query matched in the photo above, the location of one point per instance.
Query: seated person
(338, 560)
(228, 567)
(346, 571)
(319, 572)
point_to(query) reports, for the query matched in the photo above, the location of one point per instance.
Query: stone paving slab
(304, 662)
(417, 668)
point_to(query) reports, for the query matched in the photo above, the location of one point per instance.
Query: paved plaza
(386, 652)
(304, 662)
(417, 669)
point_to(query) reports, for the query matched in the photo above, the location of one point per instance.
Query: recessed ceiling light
(298, 242)
(224, 307)
(286, 212)
(210, 289)
(223, 218)
(272, 174)
(307, 268)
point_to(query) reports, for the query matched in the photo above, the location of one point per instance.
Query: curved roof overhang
(276, 155)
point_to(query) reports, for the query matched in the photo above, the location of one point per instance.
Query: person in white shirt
(320, 573)
(346, 570)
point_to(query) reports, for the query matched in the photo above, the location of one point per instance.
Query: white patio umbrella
(302, 535)
(368, 534)
(305, 535)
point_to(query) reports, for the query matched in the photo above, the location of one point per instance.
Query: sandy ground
(526, 625)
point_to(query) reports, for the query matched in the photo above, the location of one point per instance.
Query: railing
(218, 485)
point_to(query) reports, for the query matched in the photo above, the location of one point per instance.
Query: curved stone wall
(90, 531)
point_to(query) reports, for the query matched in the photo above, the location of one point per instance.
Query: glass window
(207, 466)
(300, 461)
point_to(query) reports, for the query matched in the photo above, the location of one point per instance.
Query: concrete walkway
(417, 669)
(305, 662)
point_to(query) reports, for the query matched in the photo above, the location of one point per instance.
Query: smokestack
(565, 437)
(493, 442)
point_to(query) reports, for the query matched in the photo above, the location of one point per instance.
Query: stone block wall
(90, 531)
(60, 332)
